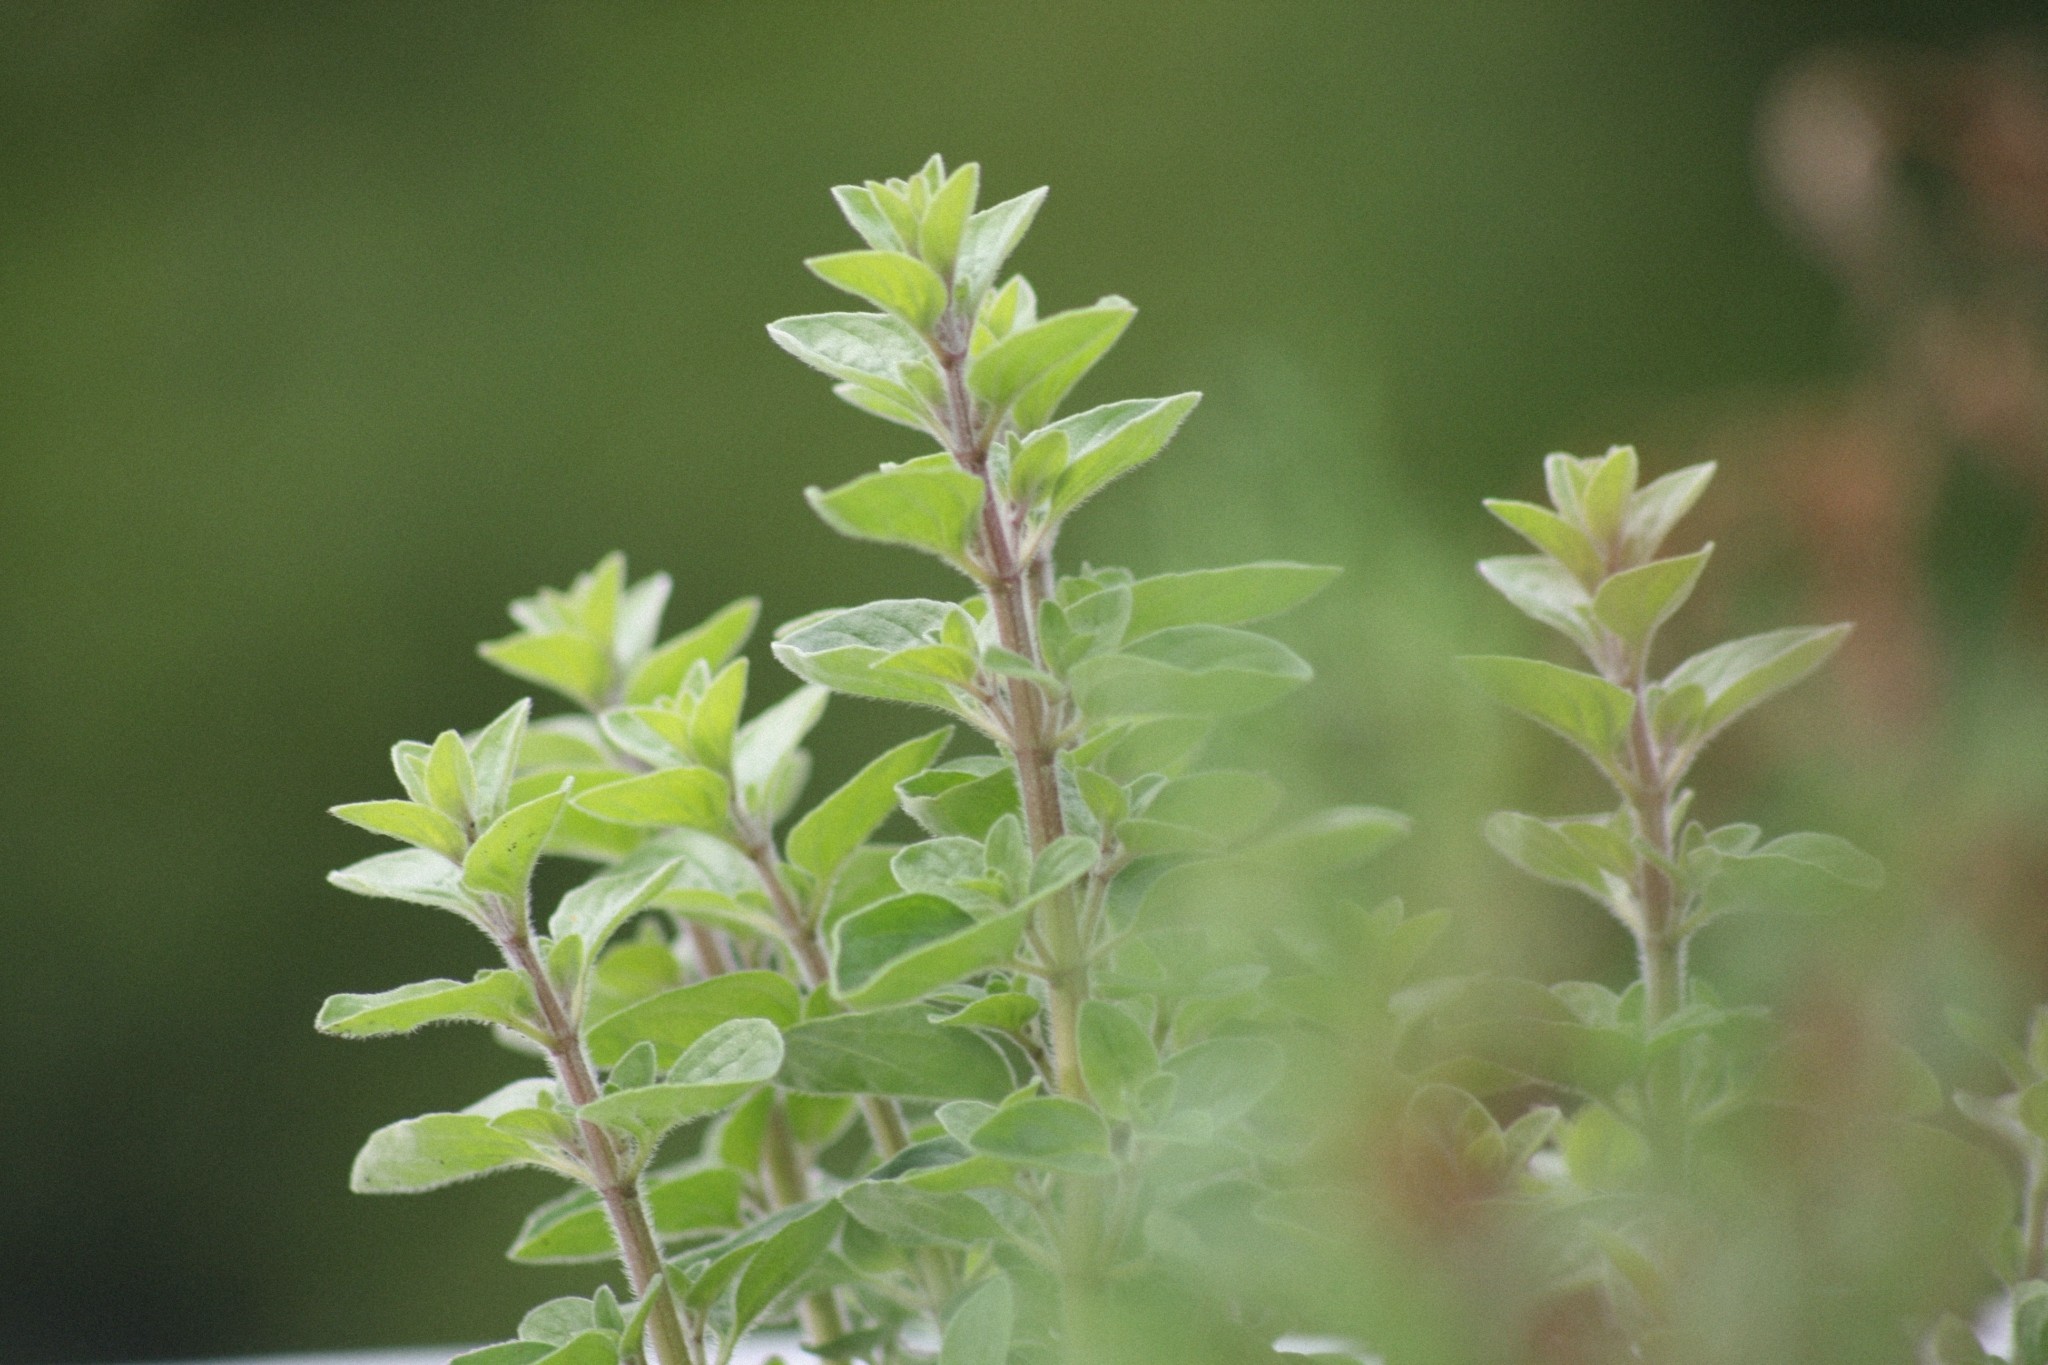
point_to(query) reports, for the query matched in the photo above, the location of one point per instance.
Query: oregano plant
(923, 1098)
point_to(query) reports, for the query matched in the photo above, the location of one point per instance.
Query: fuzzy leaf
(686, 798)
(411, 874)
(989, 238)
(890, 280)
(842, 650)
(1742, 673)
(1636, 601)
(1032, 368)
(498, 996)
(1049, 1132)
(1553, 535)
(713, 1072)
(1222, 597)
(782, 1261)
(842, 822)
(928, 504)
(1117, 1057)
(892, 1052)
(861, 348)
(712, 643)
(1110, 441)
(501, 861)
(676, 1019)
(1589, 711)
(979, 1331)
(1188, 671)
(561, 661)
(595, 910)
(910, 945)
(419, 825)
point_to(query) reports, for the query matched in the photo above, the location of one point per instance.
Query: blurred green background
(330, 328)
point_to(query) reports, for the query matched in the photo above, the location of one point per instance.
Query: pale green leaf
(928, 504)
(891, 280)
(839, 824)
(422, 826)
(565, 662)
(1589, 711)
(782, 1261)
(990, 236)
(979, 1331)
(861, 348)
(411, 874)
(910, 945)
(1657, 508)
(1188, 671)
(595, 910)
(1545, 591)
(494, 759)
(945, 219)
(435, 1150)
(1742, 673)
(841, 650)
(499, 996)
(1222, 597)
(713, 1072)
(676, 1019)
(1032, 362)
(1553, 535)
(688, 798)
(502, 858)
(1117, 1057)
(713, 643)
(1110, 441)
(1636, 601)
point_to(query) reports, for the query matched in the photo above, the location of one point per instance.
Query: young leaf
(1742, 673)
(688, 798)
(891, 280)
(501, 861)
(421, 826)
(927, 504)
(1589, 711)
(1634, 602)
(1035, 366)
(765, 746)
(978, 1333)
(1553, 535)
(712, 643)
(411, 874)
(499, 996)
(561, 661)
(945, 219)
(595, 910)
(1222, 597)
(1657, 508)
(494, 759)
(839, 824)
(1110, 441)
(1545, 591)
(1049, 1132)
(861, 348)
(990, 236)
(1544, 851)
(842, 650)
(893, 1052)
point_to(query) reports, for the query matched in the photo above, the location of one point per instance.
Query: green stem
(787, 1184)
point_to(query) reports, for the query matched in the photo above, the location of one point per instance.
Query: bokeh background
(326, 329)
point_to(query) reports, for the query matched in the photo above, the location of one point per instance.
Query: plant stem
(1009, 587)
(617, 1183)
(2034, 1224)
(1659, 942)
(787, 1184)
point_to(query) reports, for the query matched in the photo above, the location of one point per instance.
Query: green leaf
(1657, 508)
(1188, 671)
(2030, 1323)
(927, 504)
(499, 996)
(561, 661)
(505, 1353)
(713, 643)
(765, 761)
(1604, 494)
(857, 202)
(1330, 840)
(411, 874)
(595, 910)
(893, 1052)
(1636, 601)
(965, 797)
(501, 861)
(1225, 1078)
(1050, 1132)
(1954, 1342)
(435, 1150)
(1553, 535)
(1117, 1057)
(782, 1261)
(909, 1216)
(1742, 673)
(945, 219)
(1110, 441)
(676, 1019)
(451, 780)
(713, 1072)
(990, 236)
(1543, 849)
(1032, 368)
(861, 348)
(1545, 591)
(890, 280)
(910, 945)
(842, 650)
(421, 826)
(979, 1331)
(494, 759)
(842, 822)
(686, 798)
(1589, 711)
(1223, 597)
(1005, 1010)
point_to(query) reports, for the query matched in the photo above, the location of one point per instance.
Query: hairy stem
(618, 1184)
(1659, 941)
(1011, 587)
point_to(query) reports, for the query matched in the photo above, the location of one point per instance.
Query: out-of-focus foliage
(327, 326)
